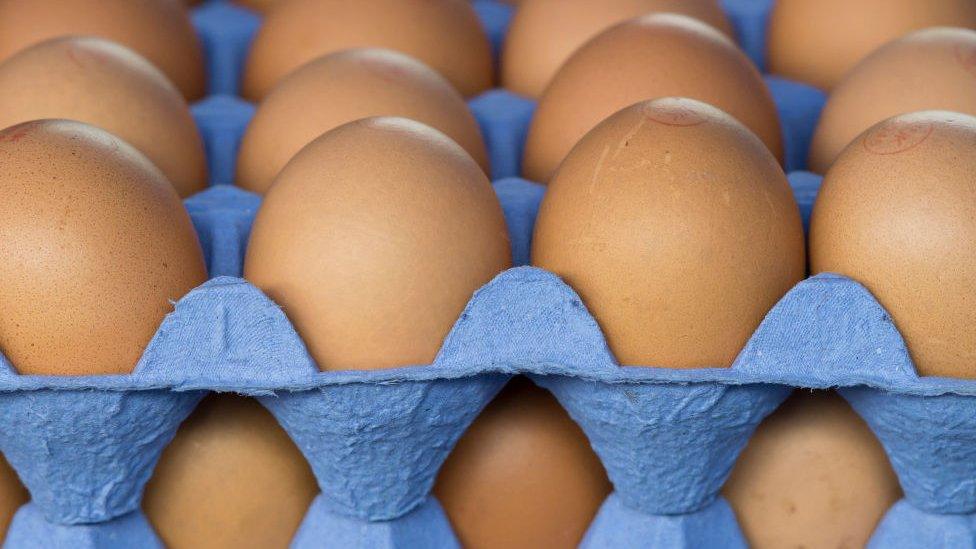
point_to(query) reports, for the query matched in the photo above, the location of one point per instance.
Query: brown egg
(523, 475)
(12, 496)
(445, 34)
(926, 70)
(95, 245)
(817, 41)
(379, 231)
(812, 476)
(159, 30)
(677, 228)
(260, 6)
(106, 85)
(346, 86)
(544, 33)
(654, 56)
(897, 213)
(231, 478)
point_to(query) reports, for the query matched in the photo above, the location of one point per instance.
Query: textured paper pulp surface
(85, 446)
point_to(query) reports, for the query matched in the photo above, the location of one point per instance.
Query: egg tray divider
(86, 446)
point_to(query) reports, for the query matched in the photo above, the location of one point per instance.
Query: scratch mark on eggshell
(599, 168)
(625, 141)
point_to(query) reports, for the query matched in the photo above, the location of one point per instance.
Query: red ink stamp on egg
(896, 137)
(966, 57)
(674, 115)
(16, 133)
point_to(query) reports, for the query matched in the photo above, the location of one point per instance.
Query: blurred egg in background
(544, 33)
(646, 58)
(523, 475)
(106, 85)
(444, 34)
(159, 30)
(818, 41)
(346, 86)
(932, 69)
(813, 475)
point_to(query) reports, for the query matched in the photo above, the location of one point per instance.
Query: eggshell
(94, 244)
(159, 30)
(817, 41)
(653, 56)
(346, 86)
(523, 476)
(106, 85)
(677, 228)
(813, 475)
(231, 478)
(373, 239)
(12, 496)
(445, 34)
(544, 33)
(897, 213)
(260, 6)
(926, 70)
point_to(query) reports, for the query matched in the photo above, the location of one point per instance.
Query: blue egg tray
(86, 446)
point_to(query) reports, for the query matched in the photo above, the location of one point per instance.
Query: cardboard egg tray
(86, 446)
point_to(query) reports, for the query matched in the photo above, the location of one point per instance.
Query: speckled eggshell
(677, 228)
(544, 33)
(231, 478)
(94, 246)
(106, 85)
(653, 56)
(813, 475)
(817, 41)
(897, 213)
(12, 496)
(159, 30)
(926, 70)
(522, 476)
(373, 239)
(346, 86)
(444, 34)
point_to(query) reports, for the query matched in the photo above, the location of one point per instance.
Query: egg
(94, 246)
(926, 70)
(523, 476)
(813, 475)
(12, 496)
(544, 33)
(231, 478)
(645, 58)
(378, 231)
(106, 85)
(897, 213)
(260, 6)
(444, 34)
(159, 30)
(677, 228)
(818, 41)
(346, 86)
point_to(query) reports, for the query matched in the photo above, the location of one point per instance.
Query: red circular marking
(897, 136)
(674, 115)
(966, 56)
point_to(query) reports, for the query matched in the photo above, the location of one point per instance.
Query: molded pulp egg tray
(86, 446)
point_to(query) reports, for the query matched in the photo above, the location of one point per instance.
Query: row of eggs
(716, 150)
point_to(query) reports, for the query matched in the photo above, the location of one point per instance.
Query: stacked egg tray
(86, 446)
